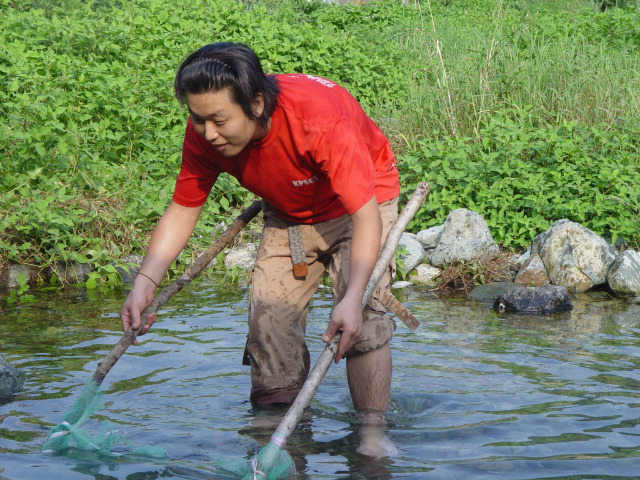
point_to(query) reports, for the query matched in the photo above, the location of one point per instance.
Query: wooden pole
(308, 390)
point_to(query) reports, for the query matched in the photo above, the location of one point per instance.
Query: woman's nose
(210, 131)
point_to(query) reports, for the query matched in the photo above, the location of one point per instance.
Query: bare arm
(365, 246)
(169, 238)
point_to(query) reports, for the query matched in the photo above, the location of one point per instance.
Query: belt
(300, 270)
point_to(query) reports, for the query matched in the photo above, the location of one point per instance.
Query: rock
(426, 273)
(401, 284)
(429, 238)
(14, 273)
(11, 379)
(624, 274)
(10, 273)
(489, 292)
(532, 273)
(415, 252)
(73, 272)
(547, 299)
(243, 256)
(129, 275)
(465, 236)
(573, 255)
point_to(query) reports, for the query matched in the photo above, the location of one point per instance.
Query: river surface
(476, 395)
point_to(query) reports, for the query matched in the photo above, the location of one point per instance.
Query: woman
(328, 178)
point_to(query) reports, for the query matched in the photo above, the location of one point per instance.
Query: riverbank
(459, 256)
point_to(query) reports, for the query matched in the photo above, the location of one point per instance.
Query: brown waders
(279, 298)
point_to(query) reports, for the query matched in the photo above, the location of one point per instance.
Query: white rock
(524, 257)
(624, 274)
(243, 256)
(429, 238)
(415, 252)
(465, 236)
(574, 256)
(426, 273)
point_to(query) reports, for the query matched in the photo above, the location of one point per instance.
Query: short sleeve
(198, 172)
(343, 156)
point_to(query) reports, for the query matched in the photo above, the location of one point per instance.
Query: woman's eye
(218, 124)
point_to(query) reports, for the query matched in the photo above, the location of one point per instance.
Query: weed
(523, 111)
(401, 270)
(20, 295)
(463, 276)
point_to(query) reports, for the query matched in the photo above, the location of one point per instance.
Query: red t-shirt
(323, 156)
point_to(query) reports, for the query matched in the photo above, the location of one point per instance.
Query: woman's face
(222, 122)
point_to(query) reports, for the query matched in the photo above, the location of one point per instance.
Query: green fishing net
(271, 463)
(70, 434)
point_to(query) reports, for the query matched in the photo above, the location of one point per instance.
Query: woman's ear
(257, 106)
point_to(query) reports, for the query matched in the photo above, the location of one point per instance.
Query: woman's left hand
(346, 318)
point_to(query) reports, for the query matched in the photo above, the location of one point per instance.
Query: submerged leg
(369, 377)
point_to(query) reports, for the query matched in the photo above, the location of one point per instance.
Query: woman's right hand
(140, 296)
(169, 238)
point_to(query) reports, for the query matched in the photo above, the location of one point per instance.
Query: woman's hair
(233, 65)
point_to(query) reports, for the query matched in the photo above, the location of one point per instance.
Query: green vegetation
(524, 111)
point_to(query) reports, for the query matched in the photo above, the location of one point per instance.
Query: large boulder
(548, 299)
(624, 274)
(11, 379)
(465, 236)
(574, 256)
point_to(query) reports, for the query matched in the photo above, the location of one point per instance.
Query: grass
(469, 65)
(525, 111)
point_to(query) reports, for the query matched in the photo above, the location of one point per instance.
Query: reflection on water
(475, 394)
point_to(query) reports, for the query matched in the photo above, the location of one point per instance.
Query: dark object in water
(547, 299)
(11, 379)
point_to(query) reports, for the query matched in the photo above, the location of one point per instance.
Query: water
(475, 395)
